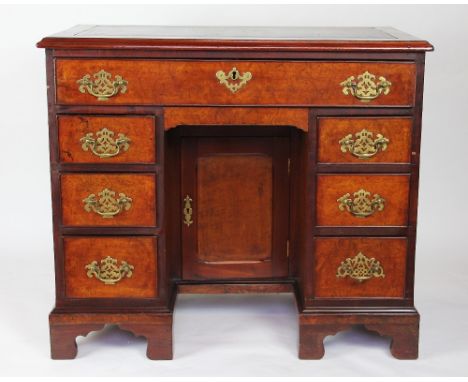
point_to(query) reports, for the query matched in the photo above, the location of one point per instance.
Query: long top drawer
(156, 82)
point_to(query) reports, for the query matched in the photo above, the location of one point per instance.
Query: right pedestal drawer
(360, 267)
(362, 200)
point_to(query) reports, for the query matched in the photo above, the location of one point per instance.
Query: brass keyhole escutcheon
(188, 211)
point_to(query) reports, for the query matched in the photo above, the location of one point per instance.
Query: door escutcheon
(188, 211)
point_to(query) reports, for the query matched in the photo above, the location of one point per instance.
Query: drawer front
(108, 199)
(93, 139)
(362, 200)
(254, 83)
(364, 140)
(110, 267)
(360, 267)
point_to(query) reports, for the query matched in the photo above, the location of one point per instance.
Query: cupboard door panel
(238, 190)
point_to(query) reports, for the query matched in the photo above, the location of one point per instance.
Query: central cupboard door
(235, 207)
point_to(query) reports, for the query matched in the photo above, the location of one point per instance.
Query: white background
(232, 335)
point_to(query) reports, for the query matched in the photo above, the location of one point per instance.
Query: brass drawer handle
(234, 80)
(108, 272)
(104, 145)
(107, 205)
(362, 205)
(363, 146)
(102, 87)
(360, 268)
(365, 88)
(188, 211)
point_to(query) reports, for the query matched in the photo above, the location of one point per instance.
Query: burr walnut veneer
(234, 160)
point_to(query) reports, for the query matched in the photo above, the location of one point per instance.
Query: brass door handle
(108, 272)
(363, 145)
(361, 205)
(360, 268)
(188, 211)
(104, 145)
(102, 87)
(107, 205)
(234, 80)
(366, 88)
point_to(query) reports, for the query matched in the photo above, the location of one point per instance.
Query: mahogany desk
(234, 160)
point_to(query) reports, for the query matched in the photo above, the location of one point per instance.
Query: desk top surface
(230, 37)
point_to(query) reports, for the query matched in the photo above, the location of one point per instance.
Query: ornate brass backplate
(360, 268)
(188, 211)
(108, 272)
(365, 88)
(234, 81)
(361, 205)
(104, 145)
(363, 145)
(107, 205)
(102, 87)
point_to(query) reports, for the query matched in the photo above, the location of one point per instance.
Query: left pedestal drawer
(110, 267)
(107, 139)
(108, 200)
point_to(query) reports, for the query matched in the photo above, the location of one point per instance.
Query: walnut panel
(396, 130)
(236, 116)
(141, 188)
(140, 130)
(234, 212)
(140, 252)
(272, 83)
(393, 188)
(331, 252)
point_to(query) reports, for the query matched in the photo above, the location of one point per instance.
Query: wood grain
(331, 252)
(393, 188)
(332, 130)
(141, 252)
(277, 83)
(234, 211)
(141, 188)
(236, 116)
(140, 130)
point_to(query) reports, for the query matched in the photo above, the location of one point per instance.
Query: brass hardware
(360, 268)
(108, 272)
(364, 146)
(233, 75)
(107, 205)
(366, 89)
(188, 211)
(104, 145)
(102, 87)
(361, 205)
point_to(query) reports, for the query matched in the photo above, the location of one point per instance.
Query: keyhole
(234, 75)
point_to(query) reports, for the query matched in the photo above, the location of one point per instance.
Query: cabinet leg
(311, 339)
(63, 338)
(405, 338)
(159, 338)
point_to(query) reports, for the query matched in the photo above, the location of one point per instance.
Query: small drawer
(364, 140)
(108, 200)
(110, 267)
(362, 200)
(298, 83)
(99, 139)
(360, 267)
